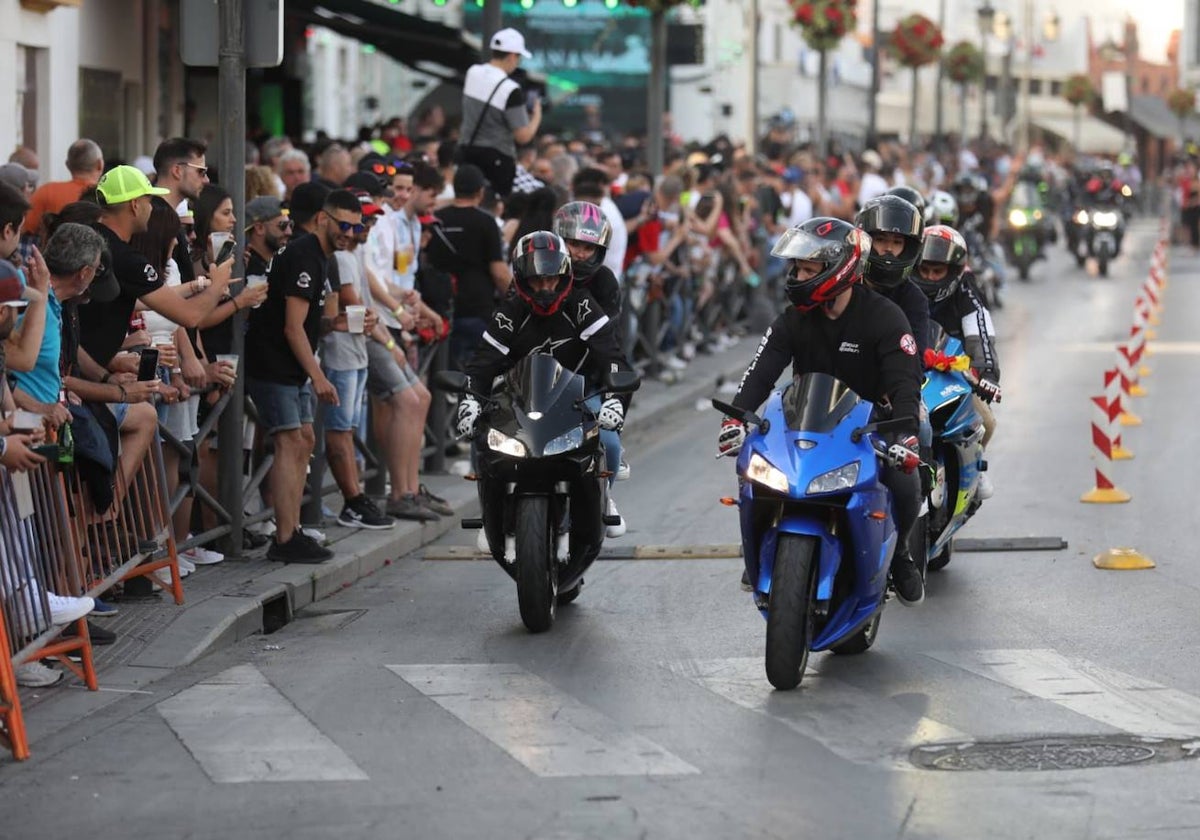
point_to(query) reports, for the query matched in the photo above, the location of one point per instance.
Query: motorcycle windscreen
(816, 402)
(544, 395)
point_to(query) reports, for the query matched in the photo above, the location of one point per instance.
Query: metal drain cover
(1066, 753)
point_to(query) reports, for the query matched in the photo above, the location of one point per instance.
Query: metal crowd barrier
(52, 539)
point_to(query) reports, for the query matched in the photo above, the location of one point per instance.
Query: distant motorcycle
(1104, 236)
(1022, 238)
(540, 477)
(816, 523)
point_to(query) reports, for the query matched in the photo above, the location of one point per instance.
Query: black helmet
(583, 221)
(840, 248)
(910, 195)
(965, 190)
(891, 214)
(542, 254)
(941, 244)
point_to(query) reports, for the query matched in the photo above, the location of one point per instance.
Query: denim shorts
(350, 384)
(281, 407)
(384, 375)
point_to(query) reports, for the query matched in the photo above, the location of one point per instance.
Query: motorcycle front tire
(537, 570)
(791, 610)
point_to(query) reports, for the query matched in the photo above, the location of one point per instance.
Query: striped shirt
(492, 106)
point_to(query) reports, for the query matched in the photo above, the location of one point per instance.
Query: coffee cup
(356, 318)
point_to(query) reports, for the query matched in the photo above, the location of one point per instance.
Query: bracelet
(391, 344)
(124, 396)
(236, 308)
(399, 310)
(107, 376)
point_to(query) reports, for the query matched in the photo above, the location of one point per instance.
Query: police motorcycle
(541, 478)
(816, 523)
(957, 459)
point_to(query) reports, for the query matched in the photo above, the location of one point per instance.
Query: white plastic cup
(255, 280)
(356, 318)
(162, 339)
(229, 359)
(25, 421)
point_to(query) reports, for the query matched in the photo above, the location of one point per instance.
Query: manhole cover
(1067, 753)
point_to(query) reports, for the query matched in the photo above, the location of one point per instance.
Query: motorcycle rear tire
(571, 594)
(1102, 264)
(936, 564)
(791, 610)
(862, 640)
(537, 570)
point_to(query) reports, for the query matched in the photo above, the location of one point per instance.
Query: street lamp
(987, 19)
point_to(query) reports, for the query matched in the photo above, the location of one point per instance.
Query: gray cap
(263, 209)
(16, 175)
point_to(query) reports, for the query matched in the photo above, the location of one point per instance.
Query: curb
(271, 600)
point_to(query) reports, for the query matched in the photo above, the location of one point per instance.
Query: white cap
(510, 41)
(872, 159)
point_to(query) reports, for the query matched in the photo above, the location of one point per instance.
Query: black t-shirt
(298, 270)
(469, 245)
(912, 301)
(870, 348)
(103, 326)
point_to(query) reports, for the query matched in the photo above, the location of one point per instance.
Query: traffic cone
(1105, 492)
(1113, 410)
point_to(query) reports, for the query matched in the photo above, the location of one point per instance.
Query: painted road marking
(1120, 700)
(240, 728)
(713, 551)
(852, 723)
(549, 732)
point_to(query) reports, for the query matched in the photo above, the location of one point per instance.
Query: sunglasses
(284, 224)
(350, 227)
(203, 170)
(390, 169)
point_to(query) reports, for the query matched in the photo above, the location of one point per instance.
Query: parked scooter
(816, 523)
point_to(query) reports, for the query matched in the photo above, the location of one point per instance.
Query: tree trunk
(822, 92)
(962, 114)
(1075, 129)
(912, 111)
(656, 99)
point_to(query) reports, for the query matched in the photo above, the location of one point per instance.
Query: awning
(1152, 114)
(1095, 137)
(425, 45)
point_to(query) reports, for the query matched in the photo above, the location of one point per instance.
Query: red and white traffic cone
(1127, 365)
(1114, 409)
(1105, 492)
(1137, 343)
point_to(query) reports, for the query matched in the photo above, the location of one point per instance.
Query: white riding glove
(469, 410)
(612, 415)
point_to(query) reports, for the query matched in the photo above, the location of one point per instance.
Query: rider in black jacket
(839, 327)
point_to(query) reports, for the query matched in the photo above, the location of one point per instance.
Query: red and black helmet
(582, 221)
(941, 244)
(838, 246)
(542, 254)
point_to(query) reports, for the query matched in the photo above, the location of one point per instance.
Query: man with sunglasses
(282, 369)
(268, 228)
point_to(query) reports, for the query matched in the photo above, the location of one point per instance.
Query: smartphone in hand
(226, 251)
(148, 365)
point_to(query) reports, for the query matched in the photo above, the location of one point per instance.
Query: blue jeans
(611, 441)
(350, 385)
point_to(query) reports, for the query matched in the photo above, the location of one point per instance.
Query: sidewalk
(239, 598)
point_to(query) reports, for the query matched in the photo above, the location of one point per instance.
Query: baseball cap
(125, 183)
(428, 219)
(468, 180)
(369, 207)
(16, 175)
(368, 182)
(307, 200)
(264, 208)
(872, 159)
(510, 41)
(793, 175)
(12, 288)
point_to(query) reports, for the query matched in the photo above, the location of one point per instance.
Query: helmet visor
(542, 263)
(798, 244)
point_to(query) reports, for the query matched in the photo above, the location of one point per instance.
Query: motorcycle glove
(903, 454)
(731, 438)
(612, 415)
(469, 410)
(987, 390)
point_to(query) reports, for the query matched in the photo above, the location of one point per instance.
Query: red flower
(804, 14)
(833, 14)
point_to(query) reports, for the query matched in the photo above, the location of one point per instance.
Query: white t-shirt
(157, 324)
(615, 257)
(800, 207)
(873, 185)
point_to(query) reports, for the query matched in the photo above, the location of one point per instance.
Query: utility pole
(873, 111)
(752, 87)
(656, 96)
(491, 25)
(941, 73)
(231, 117)
(1027, 82)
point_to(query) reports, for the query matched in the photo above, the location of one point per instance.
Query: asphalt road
(414, 704)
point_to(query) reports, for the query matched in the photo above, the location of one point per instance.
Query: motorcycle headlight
(1017, 218)
(1126, 191)
(843, 478)
(1105, 218)
(497, 441)
(762, 472)
(1081, 217)
(565, 442)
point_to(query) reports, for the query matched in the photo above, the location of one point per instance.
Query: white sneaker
(163, 575)
(186, 566)
(615, 530)
(985, 490)
(674, 362)
(64, 610)
(37, 675)
(314, 534)
(562, 547)
(201, 556)
(481, 542)
(623, 470)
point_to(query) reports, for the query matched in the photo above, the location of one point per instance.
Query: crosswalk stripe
(240, 728)
(850, 722)
(1120, 700)
(549, 732)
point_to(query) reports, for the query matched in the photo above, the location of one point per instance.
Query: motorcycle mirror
(746, 416)
(454, 381)
(621, 381)
(880, 426)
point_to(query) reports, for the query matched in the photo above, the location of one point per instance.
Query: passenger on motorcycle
(548, 314)
(956, 305)
(895, 227)
(838, 326)
(587, 232)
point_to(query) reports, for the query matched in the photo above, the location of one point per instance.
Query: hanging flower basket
(916, 41)
(1182, 102)
(964, 63)
(823, 23)
(1078, 89)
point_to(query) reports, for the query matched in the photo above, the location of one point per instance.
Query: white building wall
(1189, 45)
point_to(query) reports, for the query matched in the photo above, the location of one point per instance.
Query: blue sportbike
(817, 526)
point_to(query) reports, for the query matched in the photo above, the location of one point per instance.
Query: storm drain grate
(1067, 753)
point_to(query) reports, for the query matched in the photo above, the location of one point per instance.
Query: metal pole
(822, 100)
(656, 96)
(231, 117)
(873, 112)
(752, 88)
(1027, 83)
(983, 104)
(491, 25)
(941, 73)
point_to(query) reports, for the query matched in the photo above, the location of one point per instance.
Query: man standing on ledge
(495, 119)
